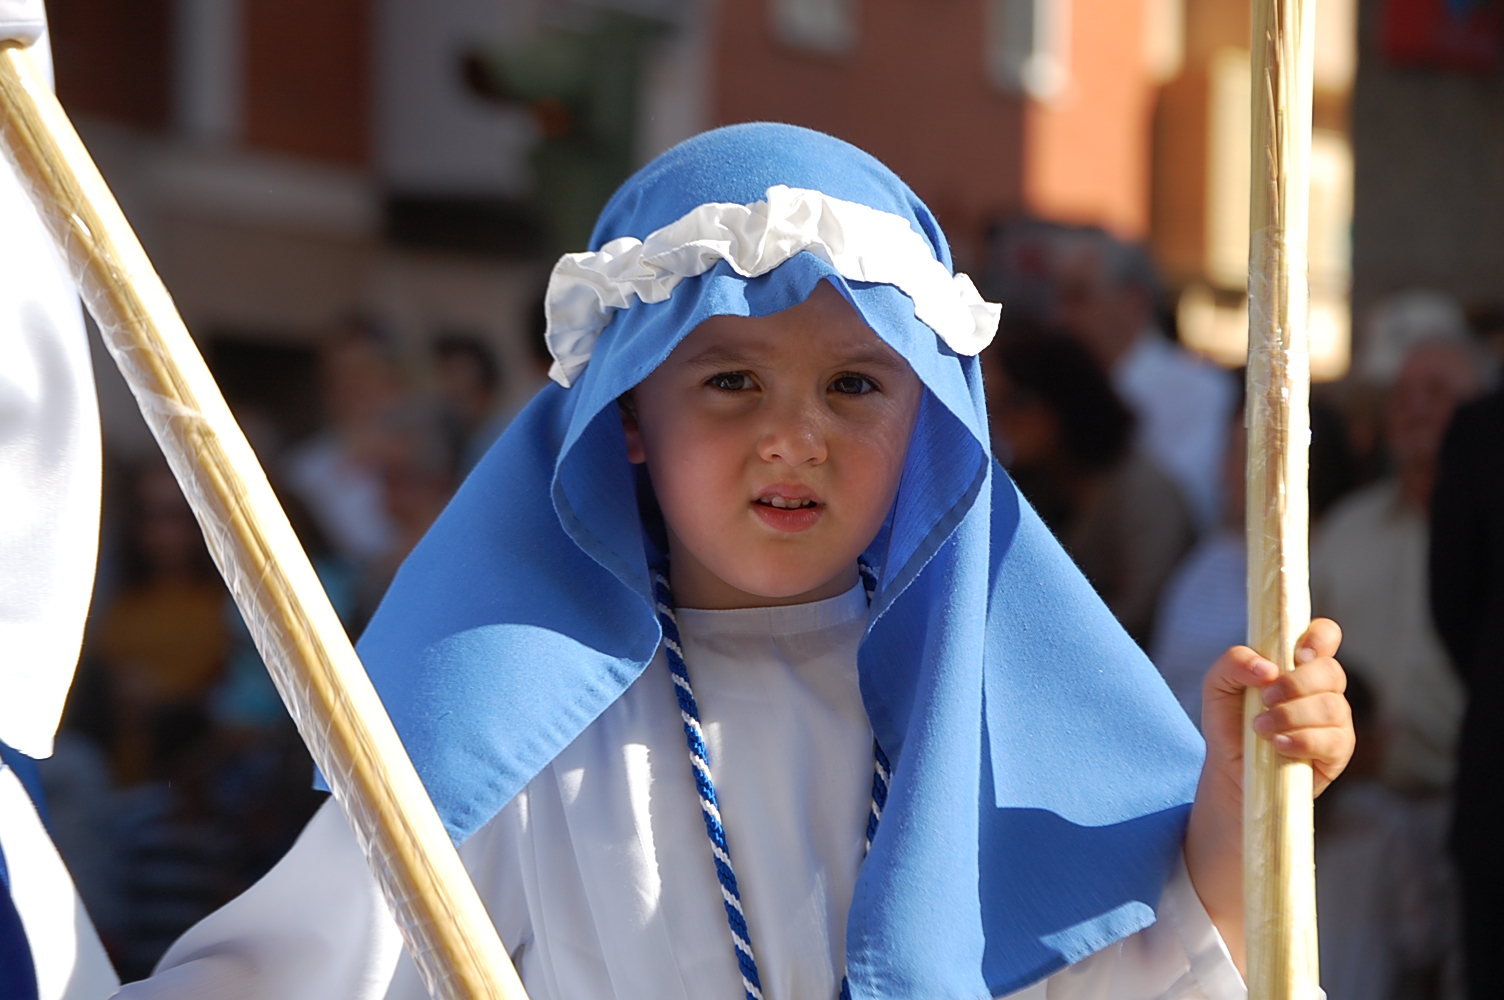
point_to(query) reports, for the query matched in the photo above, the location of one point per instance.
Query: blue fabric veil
(1042, 771)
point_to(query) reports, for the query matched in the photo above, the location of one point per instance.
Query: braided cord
(710, 807)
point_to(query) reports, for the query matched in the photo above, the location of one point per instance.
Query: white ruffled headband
(860, 242)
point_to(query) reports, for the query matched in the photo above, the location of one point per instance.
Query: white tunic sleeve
(1179, 957)
(316, 928)
(70, 962)
(600, 880)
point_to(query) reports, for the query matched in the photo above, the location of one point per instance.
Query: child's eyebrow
(721, 356)
(724, 357)
(864, 357)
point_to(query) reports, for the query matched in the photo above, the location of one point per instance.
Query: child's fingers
(1327, 748)
(1311, 712)
(1307, 717)
(1320, 640)
(1313, 677)
(1238, 668)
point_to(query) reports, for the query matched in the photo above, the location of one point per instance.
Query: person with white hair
(1400, 322)
(1369, 562)
(1368, 567)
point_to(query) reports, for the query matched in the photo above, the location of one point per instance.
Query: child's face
(774, 446)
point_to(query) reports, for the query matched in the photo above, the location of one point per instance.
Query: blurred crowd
(179, 779)
(1133, 450)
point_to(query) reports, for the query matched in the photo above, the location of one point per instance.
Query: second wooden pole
(1279, 881)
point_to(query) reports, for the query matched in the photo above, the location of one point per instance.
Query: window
(823, 25)
(1028, 46)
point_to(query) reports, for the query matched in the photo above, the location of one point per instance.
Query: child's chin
(779, 581)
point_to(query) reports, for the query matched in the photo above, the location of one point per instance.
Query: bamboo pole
(1279, 875)
(315, 668)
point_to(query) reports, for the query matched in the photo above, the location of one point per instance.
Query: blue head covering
(1042, 771)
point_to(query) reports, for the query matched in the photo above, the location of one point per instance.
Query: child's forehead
(825, 328)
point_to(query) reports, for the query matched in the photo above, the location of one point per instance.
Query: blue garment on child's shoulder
(1042, 771)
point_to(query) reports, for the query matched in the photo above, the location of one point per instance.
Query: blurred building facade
(1201, 182)
(1428, 129)
(288, 163)
(990, 109)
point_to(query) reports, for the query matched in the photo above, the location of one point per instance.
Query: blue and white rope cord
(710, 807)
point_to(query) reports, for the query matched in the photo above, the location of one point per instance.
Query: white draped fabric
(49, 533)
(70, 962)
(49, 461)
(598, 875)
(860, 242)
(22, 20)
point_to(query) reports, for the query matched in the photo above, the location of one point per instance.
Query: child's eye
(852, 385)
(731, 381)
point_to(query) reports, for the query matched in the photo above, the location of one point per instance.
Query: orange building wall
(913, 92)
(1086, 152)
(113, 59)
(1181, 139)
(308, 92)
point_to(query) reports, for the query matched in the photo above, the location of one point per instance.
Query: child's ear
(636, 453)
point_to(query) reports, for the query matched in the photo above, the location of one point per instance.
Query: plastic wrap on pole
(1279, 875)
(315, 668)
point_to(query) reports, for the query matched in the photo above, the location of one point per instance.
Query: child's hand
(1305, 714)
(1306, 717)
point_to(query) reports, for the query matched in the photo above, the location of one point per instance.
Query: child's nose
(794, 436)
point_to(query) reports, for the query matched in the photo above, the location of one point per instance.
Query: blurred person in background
(1368, 569)
(1069, 442)
(246, 700)
(1487, 324)
(212, 779)
(469, 384)
(1383, 914)
(474, 410)
(1399, 323)
(162, 639)
(1369, 572)
(1019, 269)
(417, 470)
(1106, 296)
(337, 473)
(1394, 325)
(1205, 603)
(1467, 600)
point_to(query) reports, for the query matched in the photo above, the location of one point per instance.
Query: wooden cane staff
(313, 664)
(1279, 876)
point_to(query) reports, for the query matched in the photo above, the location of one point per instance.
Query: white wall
(433, 136)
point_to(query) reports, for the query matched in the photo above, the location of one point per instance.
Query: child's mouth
(787, 503)
(788, 513)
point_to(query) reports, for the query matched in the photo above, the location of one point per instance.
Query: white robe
(49, 532)
(70, 962)
(49, 462)
(598, 874)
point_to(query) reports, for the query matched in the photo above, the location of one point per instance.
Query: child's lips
(791, 514)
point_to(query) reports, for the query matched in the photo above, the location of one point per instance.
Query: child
(643, 658)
